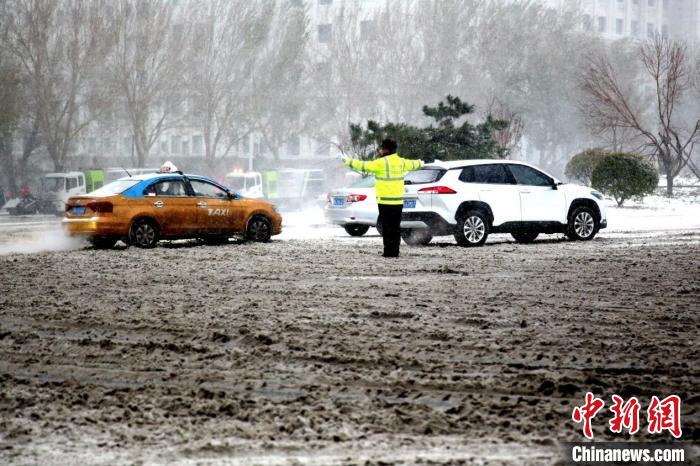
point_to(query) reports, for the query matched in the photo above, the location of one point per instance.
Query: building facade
(638, 19)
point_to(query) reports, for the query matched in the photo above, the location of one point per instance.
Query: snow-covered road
(319, 352)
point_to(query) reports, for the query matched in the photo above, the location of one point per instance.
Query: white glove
(422, 163)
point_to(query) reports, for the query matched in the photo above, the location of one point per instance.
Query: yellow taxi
(144, 209)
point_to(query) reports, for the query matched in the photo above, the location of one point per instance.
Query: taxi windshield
(115, 187)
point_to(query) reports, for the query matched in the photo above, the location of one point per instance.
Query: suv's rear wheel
(356, 230)
(144, 233)
(472, 229)
(416, 236)
(525, 236)
(259, 229)
(583, 224)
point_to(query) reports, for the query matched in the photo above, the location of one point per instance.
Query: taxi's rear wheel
(259, 229)
(103, 242)
(144, 233)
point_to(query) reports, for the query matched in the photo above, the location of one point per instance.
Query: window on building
(293, 146)
(245, 144)
(651, 3)
(602, 3)
(178, 30)
(587, 22)
(325, 2)
(323, 68)
(323, 148)
(325, 32)
(664, 31)
(620, 26)
(634, 26)
(621, 4)
(175, 144)
(197, 144)
(651, 30)
(602, 23)
(368, 29)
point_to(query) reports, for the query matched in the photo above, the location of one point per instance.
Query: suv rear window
(424, 175)
(488, 173)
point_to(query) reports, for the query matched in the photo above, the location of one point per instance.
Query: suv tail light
(100, 206)
(438, 190)
(355, 198)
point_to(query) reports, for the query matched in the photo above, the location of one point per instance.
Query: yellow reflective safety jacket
(388, 173)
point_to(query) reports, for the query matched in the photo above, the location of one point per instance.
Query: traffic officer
(388, 170)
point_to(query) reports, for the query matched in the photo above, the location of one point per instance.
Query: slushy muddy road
(321, 352)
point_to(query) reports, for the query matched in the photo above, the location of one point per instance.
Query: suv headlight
(597, 195)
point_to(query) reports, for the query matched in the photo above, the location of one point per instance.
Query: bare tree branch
(608, 104)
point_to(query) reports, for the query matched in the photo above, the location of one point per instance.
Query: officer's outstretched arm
(363, 166)
(413, 164)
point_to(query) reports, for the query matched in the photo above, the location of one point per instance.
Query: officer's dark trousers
(390, 218)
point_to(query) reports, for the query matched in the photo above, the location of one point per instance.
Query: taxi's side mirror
(233, 196)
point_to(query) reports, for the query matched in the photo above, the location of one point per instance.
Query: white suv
(472, 198)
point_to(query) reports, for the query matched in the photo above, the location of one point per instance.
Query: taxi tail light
(437, 190)
(355, 198)
(100, 206)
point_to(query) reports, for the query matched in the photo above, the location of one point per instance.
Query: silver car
(354, 208)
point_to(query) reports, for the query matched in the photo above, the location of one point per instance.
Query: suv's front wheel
(583, 224)
(472, 229)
